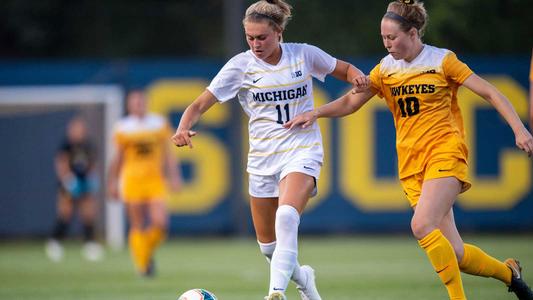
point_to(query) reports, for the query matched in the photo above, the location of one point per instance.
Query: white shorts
(267, 186)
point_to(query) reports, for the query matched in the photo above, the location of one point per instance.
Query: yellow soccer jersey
(142, 141)
(422, 96)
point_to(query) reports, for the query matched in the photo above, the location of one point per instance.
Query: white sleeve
(228, 81)
(320, 62)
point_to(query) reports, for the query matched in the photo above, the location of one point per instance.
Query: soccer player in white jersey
(273, 82)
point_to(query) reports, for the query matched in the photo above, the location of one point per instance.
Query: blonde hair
(411, 14)
(276, 12)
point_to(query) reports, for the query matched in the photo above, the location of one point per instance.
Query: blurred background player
(75, 165)
(273, 82)
(419, 83)
(142, 163)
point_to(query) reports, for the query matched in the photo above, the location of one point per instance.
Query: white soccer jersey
(271, 95)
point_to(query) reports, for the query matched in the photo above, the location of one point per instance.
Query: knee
(287, 218)
(160, 223)
(421, 227)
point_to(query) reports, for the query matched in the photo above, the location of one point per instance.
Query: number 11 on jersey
(280, 113)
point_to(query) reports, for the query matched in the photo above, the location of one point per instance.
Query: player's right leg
(92, 250)
(137, 237)
(156, 232)
(53, 248)
(436, 200)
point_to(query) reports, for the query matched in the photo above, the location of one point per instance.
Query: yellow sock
(139, 249)
(444, 261)
(155, 235)
(479, 263)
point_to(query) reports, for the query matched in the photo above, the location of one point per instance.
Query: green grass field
(347, 268)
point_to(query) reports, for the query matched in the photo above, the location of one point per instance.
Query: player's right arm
(62, 166)
(113, 173)
(191, 115)
(63, 171)
(341, 107)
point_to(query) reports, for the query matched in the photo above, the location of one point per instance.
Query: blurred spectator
(75, 164)
(142, 162)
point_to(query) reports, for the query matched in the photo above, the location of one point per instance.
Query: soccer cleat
(309, 291)
(276, 296)
(92, 251)
(518, 285)
(150, 270)
(54, 250)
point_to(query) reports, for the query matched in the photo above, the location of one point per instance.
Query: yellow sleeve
(375, 80)
(455, 69)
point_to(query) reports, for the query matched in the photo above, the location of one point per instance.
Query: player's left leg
(294, 192)
(474, 261)
(264, 205)
(92, 250)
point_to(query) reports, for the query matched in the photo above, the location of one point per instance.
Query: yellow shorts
(453, 167)
(143, 190)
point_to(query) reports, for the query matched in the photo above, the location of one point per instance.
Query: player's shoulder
(155, 121)
(430, 56)
(434, 55)
(123, 124)
(241, 61)
(130, 124)
(298, 48)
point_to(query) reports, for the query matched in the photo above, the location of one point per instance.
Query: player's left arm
(487, 91)
(343, 106)
(347, 72)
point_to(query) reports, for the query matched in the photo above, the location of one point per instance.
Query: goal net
(32, 125)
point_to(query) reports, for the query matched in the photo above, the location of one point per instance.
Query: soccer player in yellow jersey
(141, 165)
(419, 83)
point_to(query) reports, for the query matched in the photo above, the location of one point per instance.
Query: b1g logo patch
(296, 74)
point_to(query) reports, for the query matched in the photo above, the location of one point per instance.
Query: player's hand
(303, 120)
(112, 191)
(360, 83)
(524, 141)
(182, 137)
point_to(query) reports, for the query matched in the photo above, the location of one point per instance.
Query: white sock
(285, 256)
(268, 249)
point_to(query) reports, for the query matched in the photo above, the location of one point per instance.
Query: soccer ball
(197, 294)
